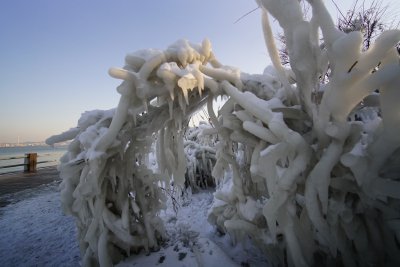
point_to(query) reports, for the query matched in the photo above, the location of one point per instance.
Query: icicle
(170, 108)
(291, 239)
(171, 162)
(162, 165)
(187, 82)
(182, 105)
(135, 207)
(146, 108)
(104, 258)
(181, 161)
(203, 158)
(125, 215)
(134, 117)
(183, 56)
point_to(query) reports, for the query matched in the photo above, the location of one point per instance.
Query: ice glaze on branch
(355, 76)
(301, 178)
(107, 184)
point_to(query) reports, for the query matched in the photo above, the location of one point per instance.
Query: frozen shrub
(200, 155)
(308, 185)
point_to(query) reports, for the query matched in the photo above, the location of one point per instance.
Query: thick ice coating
(313, 182)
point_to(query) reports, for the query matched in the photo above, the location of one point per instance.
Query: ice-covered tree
(307, 183)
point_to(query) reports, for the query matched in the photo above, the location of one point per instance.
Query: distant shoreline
(30, 144)
(12, 159)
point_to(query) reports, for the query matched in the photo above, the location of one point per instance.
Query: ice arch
(107, 183)
(307, 182)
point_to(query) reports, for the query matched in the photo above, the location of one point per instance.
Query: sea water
(49, 154)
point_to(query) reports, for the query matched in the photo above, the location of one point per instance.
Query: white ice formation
(199, 147)
(295, 171)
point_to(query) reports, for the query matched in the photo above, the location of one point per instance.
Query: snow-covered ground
(35, 232)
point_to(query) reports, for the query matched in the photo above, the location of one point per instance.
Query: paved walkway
(11, 183)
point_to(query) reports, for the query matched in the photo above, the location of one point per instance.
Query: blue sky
(55, 54)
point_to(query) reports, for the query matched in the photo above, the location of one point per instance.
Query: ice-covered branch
(107, 184)
(302, 168)
(331, 149)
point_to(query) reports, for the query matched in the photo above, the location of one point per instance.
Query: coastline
(11, 158)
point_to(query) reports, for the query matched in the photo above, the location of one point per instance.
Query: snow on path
(35, 232)
(194, 242)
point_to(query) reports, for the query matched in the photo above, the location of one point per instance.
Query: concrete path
(12, 183)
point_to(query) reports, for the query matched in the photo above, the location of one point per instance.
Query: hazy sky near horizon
(55, 54)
